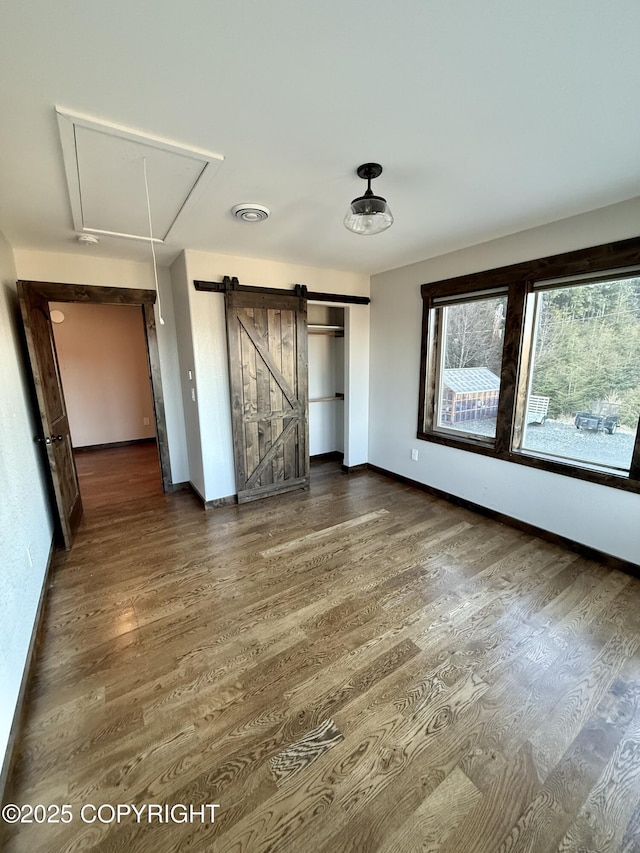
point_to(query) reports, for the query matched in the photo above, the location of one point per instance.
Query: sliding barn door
(267, 337)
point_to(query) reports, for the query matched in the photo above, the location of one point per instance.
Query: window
(539, 364)
(585, 373)
(469, 365)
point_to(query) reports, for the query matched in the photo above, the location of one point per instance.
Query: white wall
(326, 378)
(188, 388)
(207, 320)
(25, 522)
(102, 356)
(357, 368)
(108, 272)
(594, 515)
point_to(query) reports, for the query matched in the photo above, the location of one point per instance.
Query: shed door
(267, 339)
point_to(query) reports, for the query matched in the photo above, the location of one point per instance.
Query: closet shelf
(326, 399)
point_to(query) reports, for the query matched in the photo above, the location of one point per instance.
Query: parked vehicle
(603, 416)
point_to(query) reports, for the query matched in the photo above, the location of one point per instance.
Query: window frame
(520, 280)
(435, 366)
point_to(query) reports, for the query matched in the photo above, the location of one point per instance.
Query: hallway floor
(117, 475)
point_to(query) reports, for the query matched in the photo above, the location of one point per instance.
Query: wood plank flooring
(114, 475)
(360, 667)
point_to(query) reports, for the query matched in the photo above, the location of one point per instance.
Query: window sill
(474, 438)
(593, 467)
(615, 480)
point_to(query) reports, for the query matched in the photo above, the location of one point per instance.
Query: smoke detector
(250, 212)
(88, 240)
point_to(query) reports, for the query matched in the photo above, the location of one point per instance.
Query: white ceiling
(488, 117)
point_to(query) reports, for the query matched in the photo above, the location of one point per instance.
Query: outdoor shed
(469, 393)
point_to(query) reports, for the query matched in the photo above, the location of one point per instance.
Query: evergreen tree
(588, 348)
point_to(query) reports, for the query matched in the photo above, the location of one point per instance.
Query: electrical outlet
(193, 394)
(145, 421)
(414, 454)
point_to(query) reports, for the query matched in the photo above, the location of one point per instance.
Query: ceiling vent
(250, 212)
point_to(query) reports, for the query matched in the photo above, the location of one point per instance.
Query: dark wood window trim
(519, 278)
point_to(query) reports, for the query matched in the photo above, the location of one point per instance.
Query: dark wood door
(53, 413)
(267, 338)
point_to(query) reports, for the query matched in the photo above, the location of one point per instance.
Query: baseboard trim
(218, 503)
(352, 469)
(172, 488)
(331, 456)
(111, 444)
(11, 754)
(555, 538)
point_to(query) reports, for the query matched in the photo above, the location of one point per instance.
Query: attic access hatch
(105, 174)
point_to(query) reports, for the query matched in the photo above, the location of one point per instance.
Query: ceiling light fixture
(249, 212)
(369, 213)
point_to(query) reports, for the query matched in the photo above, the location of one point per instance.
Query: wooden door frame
(96, 295)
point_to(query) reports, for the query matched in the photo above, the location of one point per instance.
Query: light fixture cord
(153, 250)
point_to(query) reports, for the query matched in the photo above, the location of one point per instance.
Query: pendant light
(369, 213)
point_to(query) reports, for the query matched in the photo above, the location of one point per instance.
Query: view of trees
(588, 348)
(474, 334)
(587, 345)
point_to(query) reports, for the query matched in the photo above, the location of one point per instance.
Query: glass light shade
(368, 214)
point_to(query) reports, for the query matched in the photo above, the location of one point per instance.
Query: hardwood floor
(116, 475)
(360, 667)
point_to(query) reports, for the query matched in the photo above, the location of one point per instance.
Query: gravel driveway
(562, 439)
(590, 445)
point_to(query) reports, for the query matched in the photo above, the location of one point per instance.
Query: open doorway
(327, 382)
(104, 369)
(55, 438)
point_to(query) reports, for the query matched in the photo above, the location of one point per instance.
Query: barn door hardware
(230, 284)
